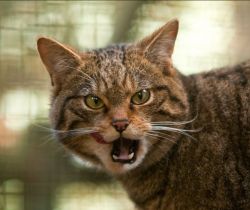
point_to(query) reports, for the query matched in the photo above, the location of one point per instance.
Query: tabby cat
(173, 141)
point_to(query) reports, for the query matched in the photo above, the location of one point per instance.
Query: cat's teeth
(115, 157)
(130, 156)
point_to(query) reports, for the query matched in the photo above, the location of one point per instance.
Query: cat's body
(175, 142)
(211, 172)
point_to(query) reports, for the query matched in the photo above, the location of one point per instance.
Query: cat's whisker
(47, 139)
(83, 74)
(166, 128)
(160, 137)
(46, 128)
(175, 123)
(80, 131)
(64, 136)
(161, 133)
(176, 130)
(87, 76)
(154, 137)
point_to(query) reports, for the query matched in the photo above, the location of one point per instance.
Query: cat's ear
(159, 46)
(57, 58)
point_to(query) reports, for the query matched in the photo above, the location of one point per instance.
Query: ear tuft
(159, 46)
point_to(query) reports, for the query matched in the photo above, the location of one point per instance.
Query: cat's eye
(140, 97)
(94, 102)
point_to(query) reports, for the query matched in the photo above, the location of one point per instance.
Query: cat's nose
(120, 124)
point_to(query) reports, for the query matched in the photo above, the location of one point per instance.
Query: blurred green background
(35, 171)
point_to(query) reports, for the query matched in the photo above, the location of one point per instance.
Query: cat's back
(237, 75)
(221, 101)
(224, 93)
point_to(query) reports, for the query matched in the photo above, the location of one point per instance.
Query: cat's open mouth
(124, 150)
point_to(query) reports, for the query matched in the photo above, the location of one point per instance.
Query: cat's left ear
(158, 47)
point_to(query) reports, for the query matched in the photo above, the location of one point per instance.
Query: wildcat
(173, 141)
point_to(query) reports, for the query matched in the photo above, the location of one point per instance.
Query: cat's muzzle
(124, 150)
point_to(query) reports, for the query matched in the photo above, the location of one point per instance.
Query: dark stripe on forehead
(125, 78)
(96, 59)
(104, 81)
(123, 54)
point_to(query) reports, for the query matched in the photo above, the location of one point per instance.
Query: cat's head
(107, 103)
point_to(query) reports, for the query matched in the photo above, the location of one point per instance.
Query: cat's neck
(190, 86)
(155, 174)
(142, 185)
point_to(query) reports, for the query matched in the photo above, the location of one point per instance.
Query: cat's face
(105, 102)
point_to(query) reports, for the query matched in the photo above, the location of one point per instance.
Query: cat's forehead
(119, 56)
(115, 53)
(110, 62)
(116, 74)
(109, 67)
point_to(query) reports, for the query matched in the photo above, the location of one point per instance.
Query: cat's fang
(130, 156)
(115, 157)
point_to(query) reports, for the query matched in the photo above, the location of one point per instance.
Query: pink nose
(120, 124)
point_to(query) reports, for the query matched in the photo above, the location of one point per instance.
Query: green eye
(140, 97)
(93, 102)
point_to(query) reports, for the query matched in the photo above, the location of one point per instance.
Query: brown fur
(208, 170)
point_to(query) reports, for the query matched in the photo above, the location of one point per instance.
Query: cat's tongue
(124, 150)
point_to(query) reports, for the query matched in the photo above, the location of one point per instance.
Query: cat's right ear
(159, 46)
(57, 58)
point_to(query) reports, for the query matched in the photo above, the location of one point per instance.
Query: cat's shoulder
(224, 79)
(228, 72)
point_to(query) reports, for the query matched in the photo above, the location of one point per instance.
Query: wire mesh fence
(35, 172)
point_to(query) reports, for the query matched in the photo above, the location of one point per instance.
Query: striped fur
(194, 132)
